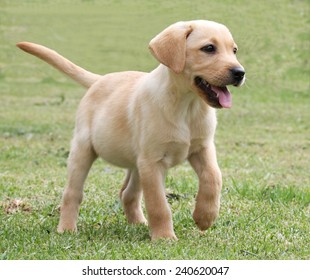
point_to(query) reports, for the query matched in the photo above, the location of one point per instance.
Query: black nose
(237, 74)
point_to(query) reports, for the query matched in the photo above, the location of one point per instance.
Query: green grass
(263, 142)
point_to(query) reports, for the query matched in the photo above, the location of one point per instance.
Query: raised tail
(78, 74)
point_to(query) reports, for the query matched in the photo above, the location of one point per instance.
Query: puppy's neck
(174, 92)
(176, 84)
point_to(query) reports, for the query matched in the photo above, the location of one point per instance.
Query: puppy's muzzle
(238, 75)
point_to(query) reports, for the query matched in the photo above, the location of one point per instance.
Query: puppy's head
(205, 53)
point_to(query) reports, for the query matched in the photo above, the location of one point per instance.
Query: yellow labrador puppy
(149, 122)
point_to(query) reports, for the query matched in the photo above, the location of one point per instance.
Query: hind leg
(131, 196)
(80, 160)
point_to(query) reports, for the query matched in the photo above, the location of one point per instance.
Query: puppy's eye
(235, 50)
(209, 49)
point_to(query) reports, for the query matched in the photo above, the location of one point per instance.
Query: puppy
(149, 122)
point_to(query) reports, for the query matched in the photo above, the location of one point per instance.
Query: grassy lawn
(263, 142)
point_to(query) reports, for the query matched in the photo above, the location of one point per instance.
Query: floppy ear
(169, 46)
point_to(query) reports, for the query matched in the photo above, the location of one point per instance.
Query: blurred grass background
(263, 142)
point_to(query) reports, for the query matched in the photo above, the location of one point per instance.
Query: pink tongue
(224, 96)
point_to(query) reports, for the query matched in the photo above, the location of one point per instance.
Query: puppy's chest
(180, 144)
(174, 153)
(171, 141)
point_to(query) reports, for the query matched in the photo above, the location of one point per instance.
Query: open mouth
(217, 97)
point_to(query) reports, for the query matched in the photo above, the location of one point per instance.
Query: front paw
(138, 219)
(205, 218)
(163, 235)
(68, 227)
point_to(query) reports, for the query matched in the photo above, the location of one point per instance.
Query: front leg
(152, 175)
(207, 207)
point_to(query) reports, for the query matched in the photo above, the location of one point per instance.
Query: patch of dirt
(15, 205)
